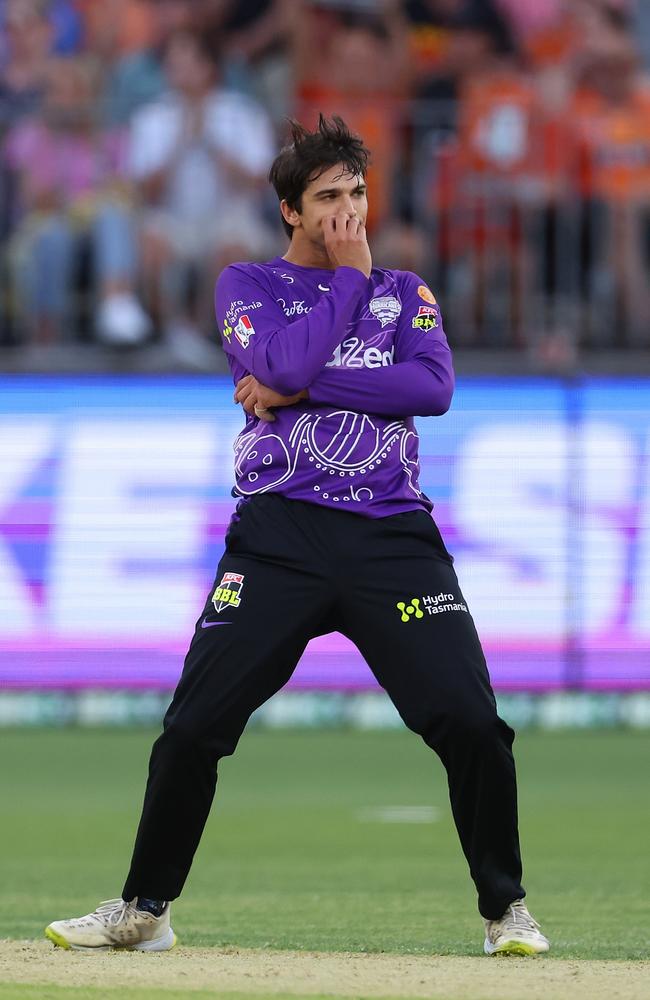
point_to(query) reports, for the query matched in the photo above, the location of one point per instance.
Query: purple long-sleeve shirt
(372, 354)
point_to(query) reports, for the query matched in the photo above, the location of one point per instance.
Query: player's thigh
(411, 622)
(265, 604)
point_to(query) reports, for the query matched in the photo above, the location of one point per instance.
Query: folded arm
(285, 356)
(422, 387)
(420, 383)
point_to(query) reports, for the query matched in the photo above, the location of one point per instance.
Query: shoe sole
(165, 943)
(514, 948)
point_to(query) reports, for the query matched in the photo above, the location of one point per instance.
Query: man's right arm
(284, 356)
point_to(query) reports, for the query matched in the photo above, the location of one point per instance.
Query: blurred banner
(115, 496)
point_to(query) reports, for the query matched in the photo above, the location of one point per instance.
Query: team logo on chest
(385, 308)
(227, 594)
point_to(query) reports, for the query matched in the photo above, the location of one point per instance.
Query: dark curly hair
(311, 153)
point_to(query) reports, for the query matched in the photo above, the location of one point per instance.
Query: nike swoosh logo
(206, 624)
(325, 288)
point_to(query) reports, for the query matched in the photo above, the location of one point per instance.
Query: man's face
(187, 69)
(329, 194)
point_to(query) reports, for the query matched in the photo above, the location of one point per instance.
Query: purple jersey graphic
(351, 342)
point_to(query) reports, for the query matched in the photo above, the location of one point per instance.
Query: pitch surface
(329, 842)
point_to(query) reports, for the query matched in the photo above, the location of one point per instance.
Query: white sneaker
(114, 924)
(516, 933)
(121, 321)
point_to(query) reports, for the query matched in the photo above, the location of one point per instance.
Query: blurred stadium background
(511, 169)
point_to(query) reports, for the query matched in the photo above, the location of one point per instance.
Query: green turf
(286, 862)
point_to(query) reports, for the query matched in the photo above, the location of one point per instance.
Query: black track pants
(389, 585)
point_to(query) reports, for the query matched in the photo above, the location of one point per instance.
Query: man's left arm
(420, 383)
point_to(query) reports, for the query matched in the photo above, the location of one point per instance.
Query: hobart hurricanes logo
(228, 593)
(385, 308)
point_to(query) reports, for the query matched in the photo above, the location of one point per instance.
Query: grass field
(298, 853)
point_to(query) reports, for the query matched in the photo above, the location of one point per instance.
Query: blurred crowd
(511, 163)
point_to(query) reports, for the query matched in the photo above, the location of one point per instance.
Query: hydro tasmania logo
(410, 609)
(433, 605)
(227, 594)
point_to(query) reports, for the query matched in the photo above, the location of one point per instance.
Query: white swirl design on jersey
(410, 468)
(341, 443)
(275, 459)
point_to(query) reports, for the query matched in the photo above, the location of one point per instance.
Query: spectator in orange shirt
(501, 190)
(478, 173)
(477, 40)
(429, 33)
(117, 28)
(612, 112)
(355, 65)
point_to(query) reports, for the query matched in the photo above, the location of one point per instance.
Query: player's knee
(195, 740)
(467, 725)
(479, 727)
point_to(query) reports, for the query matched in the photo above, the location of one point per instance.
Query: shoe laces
(517, 917)
(112, 911)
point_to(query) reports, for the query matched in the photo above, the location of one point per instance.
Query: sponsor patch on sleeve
(426, 294)
(244, 330)
(426, 319)
(237, 307)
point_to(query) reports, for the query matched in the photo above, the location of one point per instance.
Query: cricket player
(332, 358)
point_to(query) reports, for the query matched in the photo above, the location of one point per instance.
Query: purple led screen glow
(115, 495)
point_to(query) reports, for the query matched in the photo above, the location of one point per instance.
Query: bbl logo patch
(385, 308)
(426, 294)
(227, 594)
(244, 330)
(426, 319)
